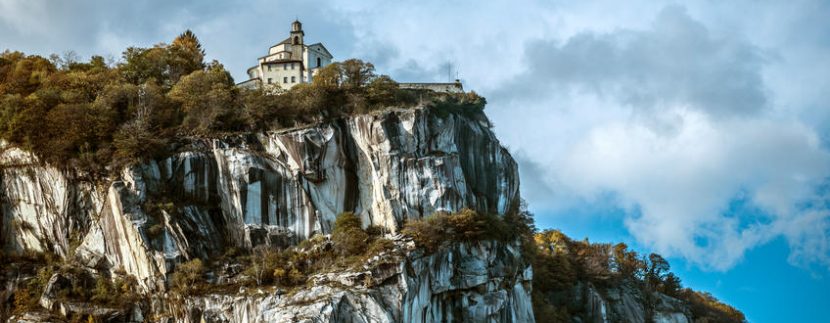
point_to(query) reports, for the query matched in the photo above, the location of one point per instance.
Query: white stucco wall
(310, 56)
(281, 74)
(279, 48)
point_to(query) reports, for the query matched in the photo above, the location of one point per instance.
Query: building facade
(288, 63)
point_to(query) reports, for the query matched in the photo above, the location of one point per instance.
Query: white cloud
(678, 123)
(679, 186)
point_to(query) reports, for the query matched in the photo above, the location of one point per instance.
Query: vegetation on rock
(560, 264)
(348, 247)
(93, 115)
(33, 271)
(467, 225)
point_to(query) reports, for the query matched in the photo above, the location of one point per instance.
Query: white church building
(288, 63)
(291, 62)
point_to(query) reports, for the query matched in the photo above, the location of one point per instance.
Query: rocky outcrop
(278, 188)
(625, 303)
(42, 208)
(281, 187)
(272, 188)
(475, 282)
(52, 301)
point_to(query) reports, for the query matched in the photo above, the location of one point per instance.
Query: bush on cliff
(469, 103)
(466, 225)
(188, 277)
(348, 236)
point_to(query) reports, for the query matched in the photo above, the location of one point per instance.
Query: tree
(656, 269)
(68, 129)
(186, 55)
(98, 62)
(68, 60)
(328, 76)
(21, 74)
(357, 73)
(137, 139)
(207, 99)
(143, 64)
(594, 260)
(104, 290)
(382, 91)
(309, 100)
(261, 264)
(658, 266)
(628, 265)
(671, 285)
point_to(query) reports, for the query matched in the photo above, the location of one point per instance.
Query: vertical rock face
(625, 303)
(42, 209)
(281, 187)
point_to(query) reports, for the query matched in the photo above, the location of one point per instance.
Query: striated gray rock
(54, 303)
(42, 208)
(273, 188)
(625, 303)
(278, 188)
(478, 282)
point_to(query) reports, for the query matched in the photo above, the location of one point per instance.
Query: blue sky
(695, 129)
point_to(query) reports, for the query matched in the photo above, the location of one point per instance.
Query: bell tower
(297, 40)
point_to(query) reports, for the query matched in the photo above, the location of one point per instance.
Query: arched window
(296, 40)
(319, 62)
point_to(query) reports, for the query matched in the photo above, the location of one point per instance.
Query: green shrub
(378, 246)
(465, 226)
(382, 91)
(25, 300)
(104, 292)
(468, 103)
(188, 277)
(348, 236)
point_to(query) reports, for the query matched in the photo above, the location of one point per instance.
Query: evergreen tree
(186, 55)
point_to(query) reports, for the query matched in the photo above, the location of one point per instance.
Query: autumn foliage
(92, 115)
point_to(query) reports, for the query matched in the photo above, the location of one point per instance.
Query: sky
(698, 130)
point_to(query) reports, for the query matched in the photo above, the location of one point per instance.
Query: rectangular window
(269, 67)
(284, 66)
(285, 79)
(269, 80)
(293, 79)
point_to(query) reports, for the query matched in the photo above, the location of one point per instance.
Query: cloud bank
(678, 124)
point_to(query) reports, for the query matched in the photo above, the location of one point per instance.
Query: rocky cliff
(277, 189)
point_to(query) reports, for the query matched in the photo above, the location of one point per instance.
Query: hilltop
(155, 189)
